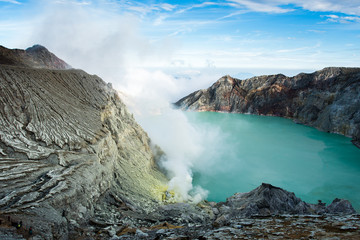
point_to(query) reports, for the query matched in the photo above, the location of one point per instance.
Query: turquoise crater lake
(254, 149)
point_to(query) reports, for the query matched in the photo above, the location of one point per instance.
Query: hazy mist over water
(254, 149)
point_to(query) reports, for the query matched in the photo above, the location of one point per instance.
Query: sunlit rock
(66, 140)
(328, 99)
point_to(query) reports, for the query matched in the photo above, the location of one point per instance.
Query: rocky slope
(66, 142)
(36, 56)
(328, 99)
(267, 212)
(74, 164)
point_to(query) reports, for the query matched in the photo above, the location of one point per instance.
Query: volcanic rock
(66, 142)
(340, 206)
(268, 200)
(328, 99)
(267, 212)
(36, 56)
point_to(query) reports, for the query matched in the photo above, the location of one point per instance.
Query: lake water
(255, 149)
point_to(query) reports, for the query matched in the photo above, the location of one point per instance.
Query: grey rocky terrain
(267, 212)
(67, 140)
(328, 99)
(74, 164)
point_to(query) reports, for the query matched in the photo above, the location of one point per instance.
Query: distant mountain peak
(36, 56)
(36, 47)
(227, 80)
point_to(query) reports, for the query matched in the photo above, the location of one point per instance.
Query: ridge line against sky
(309, 34)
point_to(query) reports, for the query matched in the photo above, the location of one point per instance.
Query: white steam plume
(110, 45)
(182, 141)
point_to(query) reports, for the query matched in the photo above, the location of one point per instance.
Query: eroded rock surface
(267, 212)
(272, 227)
(66, 141)
(328, 99)
(268, 200)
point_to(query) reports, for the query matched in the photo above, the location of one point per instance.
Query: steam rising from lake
(111, 46)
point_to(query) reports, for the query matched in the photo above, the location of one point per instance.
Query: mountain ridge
(327, 99)
(36, 56)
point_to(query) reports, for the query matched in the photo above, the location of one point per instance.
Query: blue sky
(281, 34)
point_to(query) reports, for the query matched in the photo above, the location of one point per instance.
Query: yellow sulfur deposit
(163, 194)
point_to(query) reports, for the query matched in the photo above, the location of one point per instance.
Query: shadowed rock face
(270, 200)
(328, 99)
(66, 142)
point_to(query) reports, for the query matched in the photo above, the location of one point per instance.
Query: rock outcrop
(268, 200)
(267, 212)
(67, 143)
(328, 99)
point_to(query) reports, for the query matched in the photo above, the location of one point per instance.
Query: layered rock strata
(66, 141)
(328, 99)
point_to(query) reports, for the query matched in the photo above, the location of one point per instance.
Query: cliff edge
(68, 146)
(328, 99)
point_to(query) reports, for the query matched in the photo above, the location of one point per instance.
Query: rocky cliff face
(328, 99)
(68, 143)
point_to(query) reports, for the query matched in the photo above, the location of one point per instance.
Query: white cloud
(73, 2)
(351, 7)
(311, 54)
(201, 5)
(10, 1)
(292, 50)
(84, 28)
(259, 6)
(160, 20)
(344, 6)
(167, 7)
(332, 16)
(180, 31)
(142, 9)
(349, 18)
(316, 31)
(234, 14)
(341, 19)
